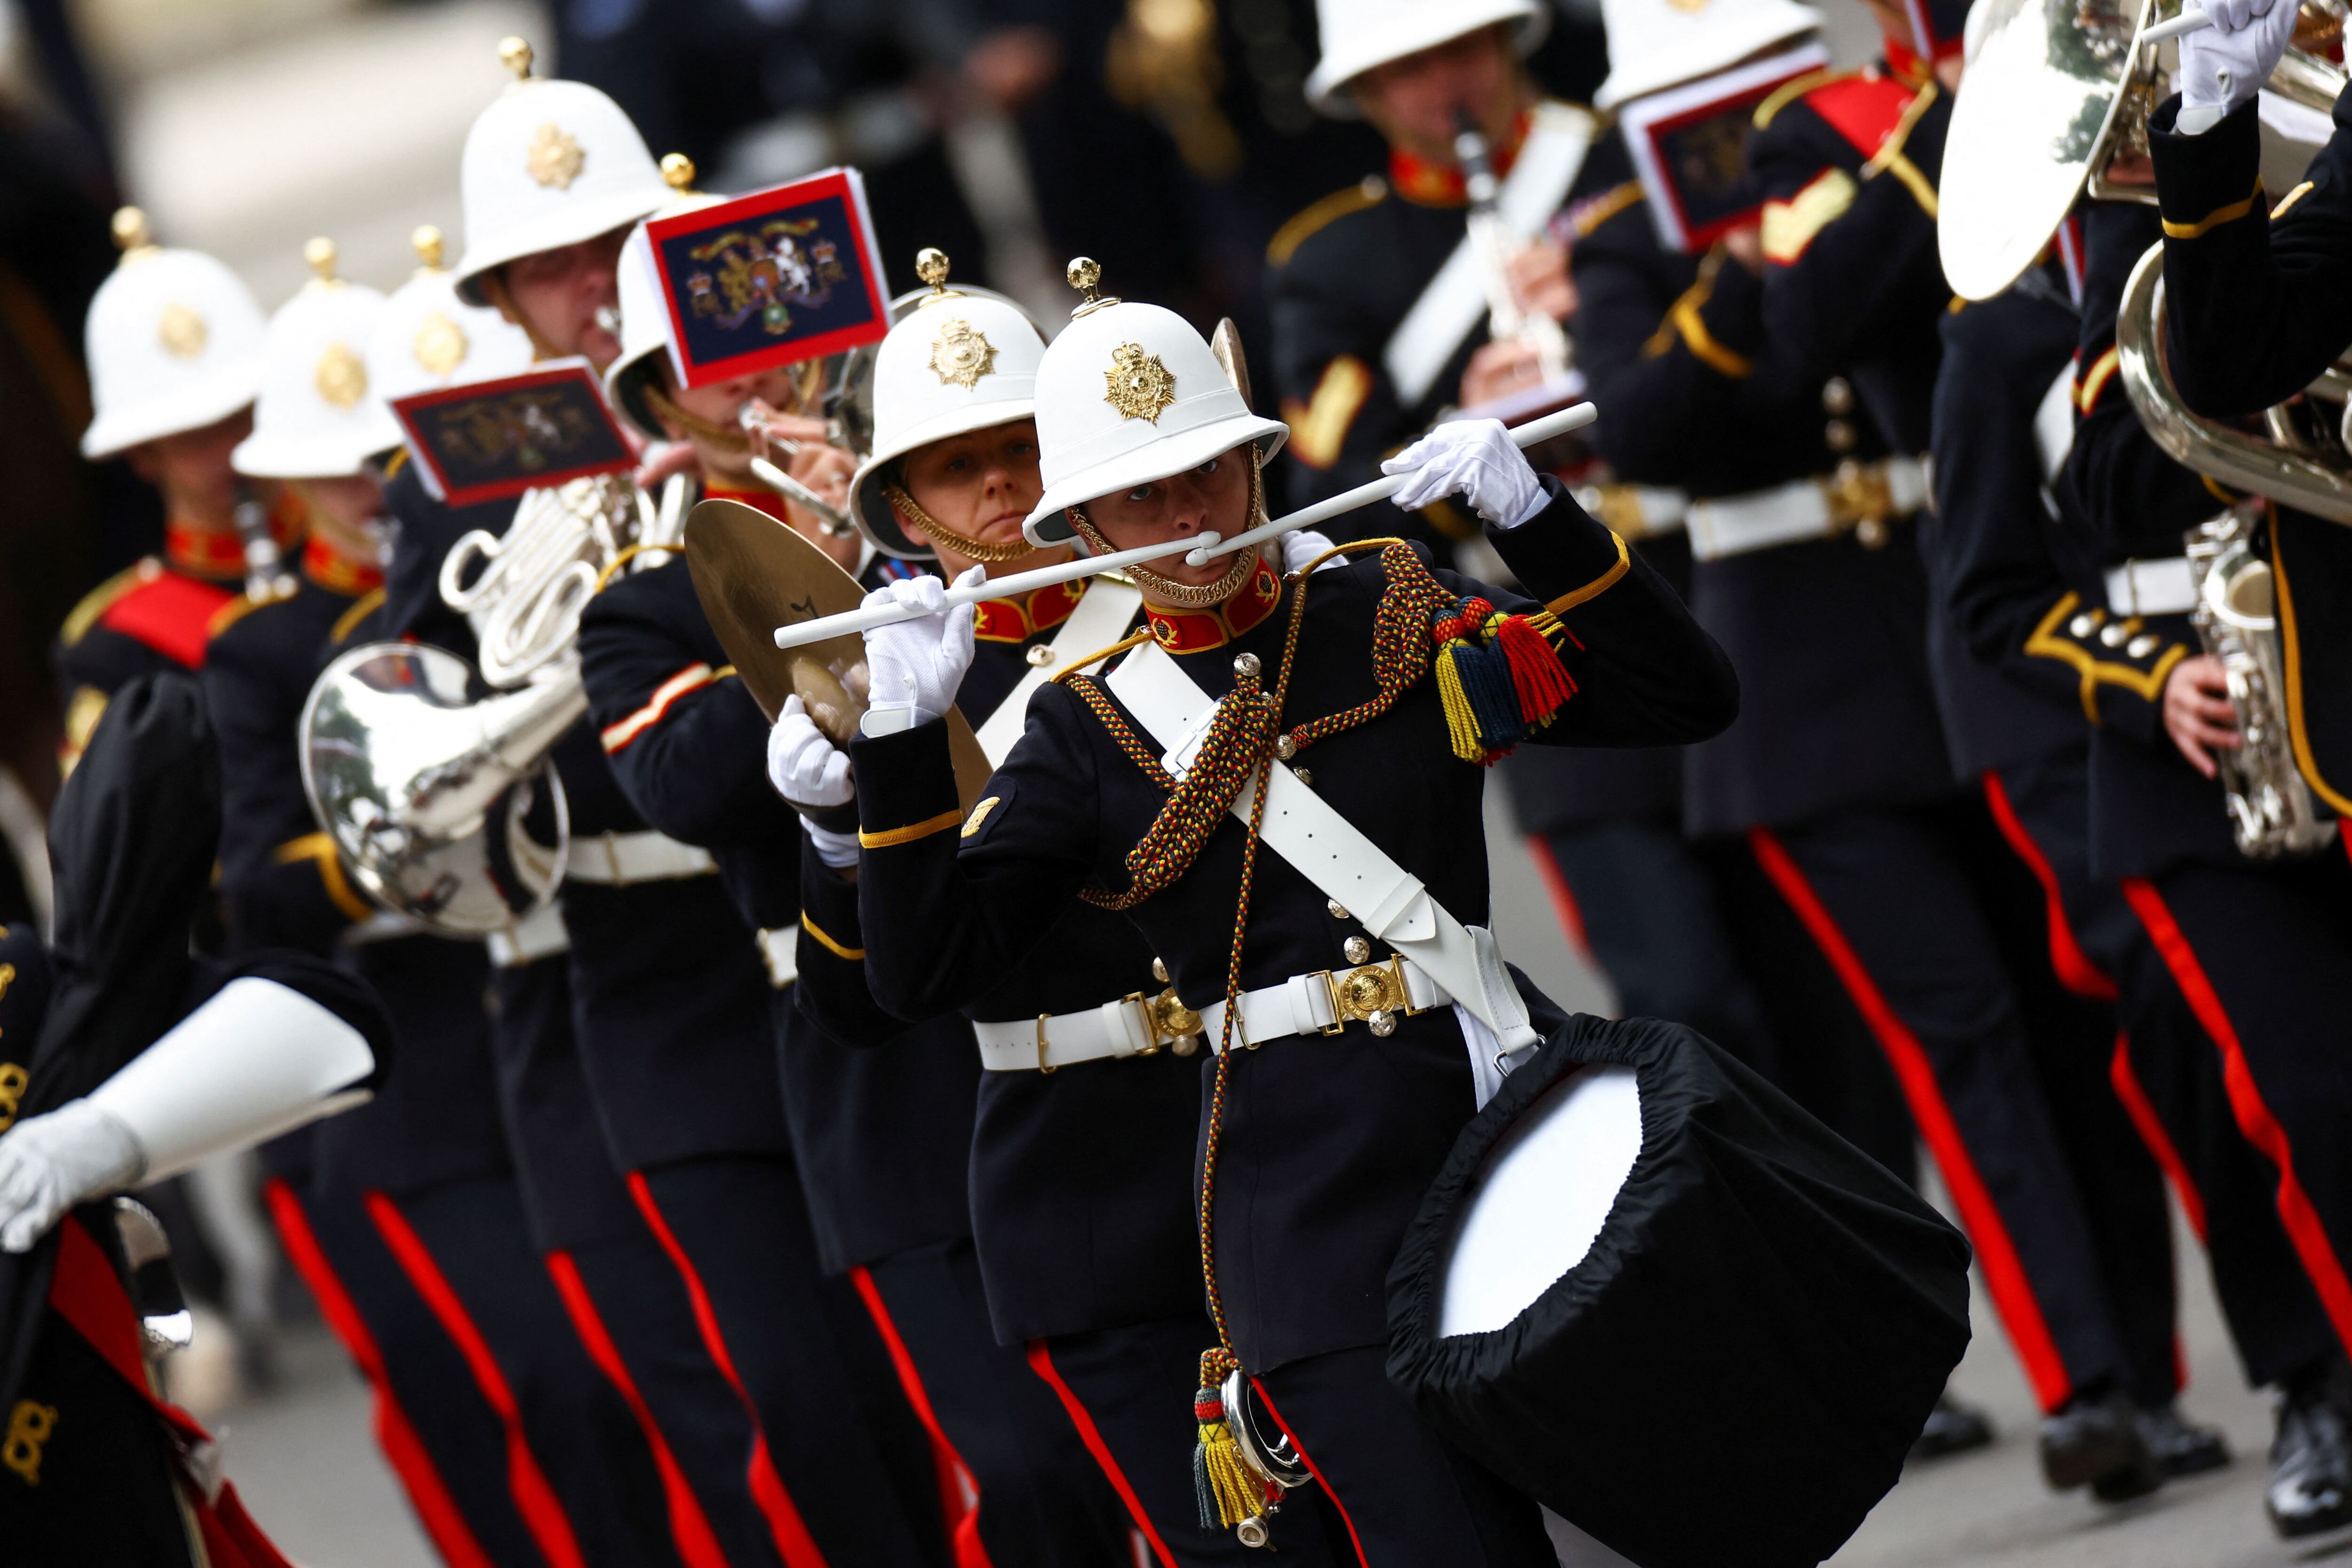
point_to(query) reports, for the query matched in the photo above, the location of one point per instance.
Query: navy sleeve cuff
(2204, 181)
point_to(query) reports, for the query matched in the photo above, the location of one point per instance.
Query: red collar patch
(1019, 619)
(220, 553)
(766, 501)
(1431, 185)
(1196, 631)
(336, 572)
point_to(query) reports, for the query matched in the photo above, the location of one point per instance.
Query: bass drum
(1654, 1294)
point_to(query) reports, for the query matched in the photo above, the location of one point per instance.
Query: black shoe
(2310, 1486)
(2181, 1449)
(1952, 1428)
(2094, 1441)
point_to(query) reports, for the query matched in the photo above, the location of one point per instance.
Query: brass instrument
(2055, 102)
(2304, 462)
(444, 808)
(1490, 240)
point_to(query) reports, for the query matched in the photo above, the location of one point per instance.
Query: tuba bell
(2301, 459)
(445, 808)
(2055, 104)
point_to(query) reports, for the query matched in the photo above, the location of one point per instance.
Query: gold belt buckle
(1373, 994)
(1862, 500)
(1167, 1021)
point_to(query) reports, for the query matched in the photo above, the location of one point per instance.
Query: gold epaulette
(99, 600)
(1588, 216)
(1368, 192)
(1788, 92)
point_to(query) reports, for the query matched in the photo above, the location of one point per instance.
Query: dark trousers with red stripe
(1127, 1391)
(1404, 1497)
(577, 1462)
(1906, 903)
(2263, 955)
(843, 1468)
(637, 1322)
(444, 1442)
(1041, 1499)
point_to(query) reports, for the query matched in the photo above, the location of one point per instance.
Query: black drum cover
(1735, 1370)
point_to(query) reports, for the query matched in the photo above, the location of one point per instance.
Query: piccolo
(1198, 550)
(2189, 21)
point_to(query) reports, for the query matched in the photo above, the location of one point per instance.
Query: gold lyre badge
(1141, 387)
(440, 345)
(554, 158)
(961, 354)
(182, 333)
(340, 377)
(29, 1426)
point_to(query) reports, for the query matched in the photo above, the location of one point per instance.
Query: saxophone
(2272, 812)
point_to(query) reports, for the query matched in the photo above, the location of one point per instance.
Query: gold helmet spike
(320, 255)
(931, 267)
(1084, 273)
(426, 239)
(678, 172)
(514, 52)
(131, 234)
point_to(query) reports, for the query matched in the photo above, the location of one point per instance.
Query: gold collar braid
(911, 513)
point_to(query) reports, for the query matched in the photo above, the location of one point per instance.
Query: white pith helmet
(549, 163)
(959, 360)
(1357, 34)
(316, 417)
(174, 341)
(645, 313)
(1130, 394)
(427, 338)
(1655, 44)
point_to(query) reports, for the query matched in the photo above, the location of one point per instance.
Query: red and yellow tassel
(1224, 1488)
(1498, 678)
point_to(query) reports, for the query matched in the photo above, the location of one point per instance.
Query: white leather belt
(617, 860)
(1856, 495)
(780, 945)
(1133, 1025)
(2152, 587)
(1328, 1001)
(381, 926)
(538, 934)
(1636, 511)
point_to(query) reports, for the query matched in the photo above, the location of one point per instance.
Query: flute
(1198, 550)
(2191, 20)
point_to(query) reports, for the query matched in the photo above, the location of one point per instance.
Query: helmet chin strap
(1167, 591)
(913, 515)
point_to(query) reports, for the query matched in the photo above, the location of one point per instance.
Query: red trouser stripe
(1041, 1361)
(2260, 1127)
(2005, 1276)
(1563, 897)
(689, 1529)
(2067, 960)
(790, 1535)
(959, 1491)
(1313, 1469)
(535, 1499)
(2151, 1130)
(428, 1494)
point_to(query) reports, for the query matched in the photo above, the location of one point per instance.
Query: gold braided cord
(912, 514)
(1141, 635)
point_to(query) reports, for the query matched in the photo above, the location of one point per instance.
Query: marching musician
(2258, 950)
(174, 345)
(1090, 1096)
(674, 1303)
(1375, 293)
(130, 1061)
(1327, 1107)
(408, 1209)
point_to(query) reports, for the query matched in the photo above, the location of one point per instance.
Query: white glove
(1304, 545)
(804, 764)
(49, 1163)
(1473, 458)
(838, 850)
(2224, 64)
(916, 665)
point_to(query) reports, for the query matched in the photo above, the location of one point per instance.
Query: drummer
(1096, 1281)
(1318, 1148)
